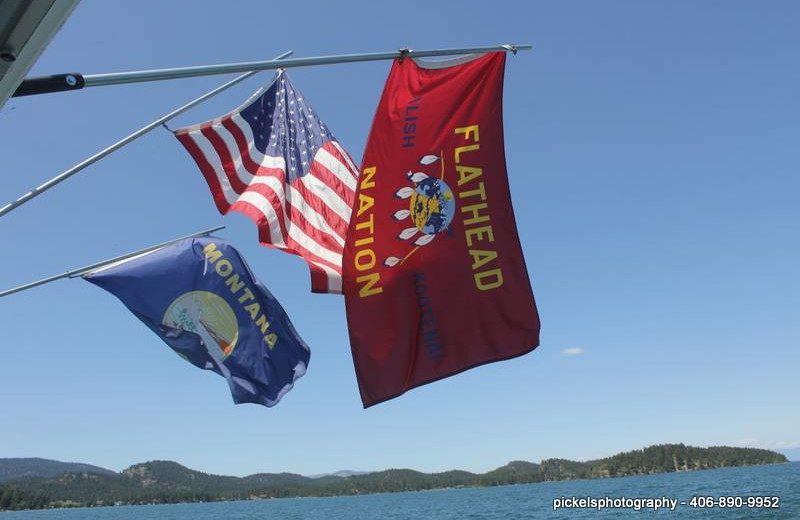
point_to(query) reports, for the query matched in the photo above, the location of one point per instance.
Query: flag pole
(119, 144)
(78, 272)
(75, 81)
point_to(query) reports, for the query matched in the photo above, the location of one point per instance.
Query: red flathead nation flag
(434, 278)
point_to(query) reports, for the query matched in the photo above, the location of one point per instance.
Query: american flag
(275, 161)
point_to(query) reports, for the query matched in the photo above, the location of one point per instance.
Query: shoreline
(423, 490)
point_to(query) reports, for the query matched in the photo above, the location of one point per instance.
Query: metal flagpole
(119, 144)
(83, 270)
(77, 81)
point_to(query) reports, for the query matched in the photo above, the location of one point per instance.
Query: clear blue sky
(653, 158)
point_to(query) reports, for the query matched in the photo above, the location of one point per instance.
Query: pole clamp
(47, 84)
(510, 47)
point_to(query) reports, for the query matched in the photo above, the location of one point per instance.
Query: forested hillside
(35, 467)
(169, 482)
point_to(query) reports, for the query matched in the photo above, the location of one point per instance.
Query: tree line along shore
(164, 482)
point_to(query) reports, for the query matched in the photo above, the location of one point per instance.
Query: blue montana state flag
(200, 297)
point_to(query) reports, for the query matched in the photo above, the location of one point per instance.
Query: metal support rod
(116, 78)
(119, 144)
(83, 270)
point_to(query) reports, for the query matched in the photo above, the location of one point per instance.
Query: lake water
(529, 501)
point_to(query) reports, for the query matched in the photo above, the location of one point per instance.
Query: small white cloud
(573, 351)
(747, 442)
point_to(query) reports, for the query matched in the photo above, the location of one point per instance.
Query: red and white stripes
(307, 217)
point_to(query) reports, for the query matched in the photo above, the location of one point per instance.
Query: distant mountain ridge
(168, 482)
(35, 467)
(342, 473)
